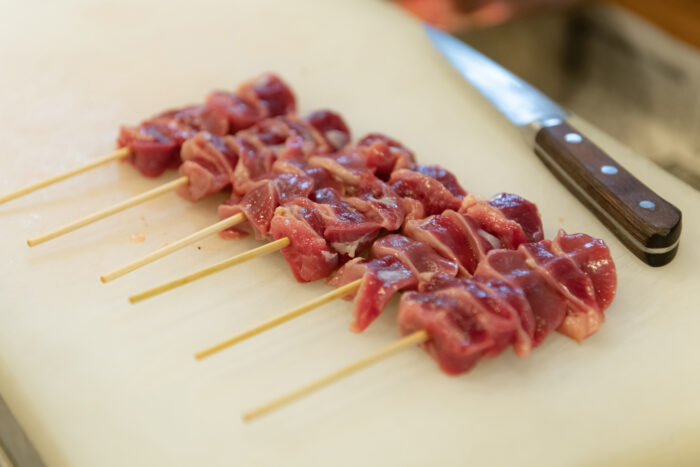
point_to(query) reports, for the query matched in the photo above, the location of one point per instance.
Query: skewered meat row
(478, 275)
(516, 297)
(286, 158)
(242, 160)
(155, 143)
(245, 161)
(562, 285)
(518, 302)
(333, 205)
(451, 243)
(532, 288)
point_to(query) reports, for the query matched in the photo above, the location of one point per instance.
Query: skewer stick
(283, 318)
(126, 204)
(118, 154)
(408, 341)
(166, 250)
(243, 257)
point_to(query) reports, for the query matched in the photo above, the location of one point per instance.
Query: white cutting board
(98, 382)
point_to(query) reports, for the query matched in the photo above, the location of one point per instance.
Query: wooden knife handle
(646, 223)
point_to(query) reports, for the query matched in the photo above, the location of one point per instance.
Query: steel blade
(517, 100)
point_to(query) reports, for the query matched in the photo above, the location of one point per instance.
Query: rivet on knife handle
(646, 223)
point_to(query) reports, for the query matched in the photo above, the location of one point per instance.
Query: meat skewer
(351, 163)
(459, 256)
(309, 256)
(270, 149)
(154, 145)
(459, 321)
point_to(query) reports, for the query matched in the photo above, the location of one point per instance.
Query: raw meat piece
(260, 202)
(153, 151)
(378, 201)
(332, 127)
(273, 93)
(592, 256)
(523, 212)
(264, 97)
(419, 258)
(432, 194)
(466, 322)
(381, 279)
(547, 303)
(155, 143)
(349, 165)
(385, 155)
(443, 176)
(583, 316)
(308, 254)
(258, 206)
(454, 236)
(493, 220)
(347, 230)
(208, 163)
(255, 161)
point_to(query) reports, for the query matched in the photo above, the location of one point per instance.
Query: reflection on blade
(519, 101)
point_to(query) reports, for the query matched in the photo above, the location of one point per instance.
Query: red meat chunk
(583, 316)
(592, 256)
(208, 163)
(515, 297)
(197, 118)
(258, 206)
(385, 155)
(432, 194)
(497, 222)
(255, 161)
(419, 258)
(260, 202)
(308, 255)
(548, 304)
(381, 279)
(153, 150)
(443, 176)
(264, 97)
(466, 321)
(523, 212)
(349, 165)
(155, 144)
(241, 113)
(332, 127)
(379, 201)
(454, 236)
(273, 93)
(347, 230)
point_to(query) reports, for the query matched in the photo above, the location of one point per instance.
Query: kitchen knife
(646, 223)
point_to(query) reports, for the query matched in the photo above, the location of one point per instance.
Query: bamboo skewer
(173, 247)
(243, 257)
(408, 341)
(118, 154)
(283, 318)
(126, 204)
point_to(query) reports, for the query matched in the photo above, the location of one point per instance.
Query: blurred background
(632, 67)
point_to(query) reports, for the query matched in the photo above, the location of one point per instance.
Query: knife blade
(648, 225)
